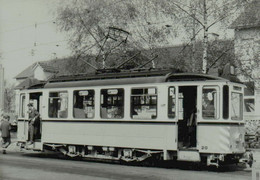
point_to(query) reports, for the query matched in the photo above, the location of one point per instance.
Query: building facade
(247, 52)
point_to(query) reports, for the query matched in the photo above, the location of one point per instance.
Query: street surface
(24, 165)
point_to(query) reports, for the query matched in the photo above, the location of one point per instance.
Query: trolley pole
(2, 92)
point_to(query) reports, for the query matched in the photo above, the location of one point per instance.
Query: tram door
(187, 127)
(36, 99)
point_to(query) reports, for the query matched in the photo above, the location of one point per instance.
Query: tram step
(37, 146)
(188, 155)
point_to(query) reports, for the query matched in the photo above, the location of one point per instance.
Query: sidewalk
(13, 146)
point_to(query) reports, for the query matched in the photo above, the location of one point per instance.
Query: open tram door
(187, 126)
(36, 99)
(23, 122)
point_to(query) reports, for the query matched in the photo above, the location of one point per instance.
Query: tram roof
(127, 77)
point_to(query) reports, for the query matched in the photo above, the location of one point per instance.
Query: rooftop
(29, 72)
(250, 18)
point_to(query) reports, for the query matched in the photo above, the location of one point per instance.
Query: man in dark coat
(34, 117)
(5, 128)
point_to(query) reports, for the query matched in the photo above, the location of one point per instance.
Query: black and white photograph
(130, 89)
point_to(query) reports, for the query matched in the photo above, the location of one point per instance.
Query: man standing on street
(5, 127)
(33, 122)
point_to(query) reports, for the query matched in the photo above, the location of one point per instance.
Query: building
(35, 74)
(247, 52)
(40, 71)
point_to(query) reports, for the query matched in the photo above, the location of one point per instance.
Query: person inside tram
(208, 106)
(34, 123)
(191, 124)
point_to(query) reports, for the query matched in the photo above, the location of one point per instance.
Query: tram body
(134, 118)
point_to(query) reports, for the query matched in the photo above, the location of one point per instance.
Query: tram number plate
(204, 147)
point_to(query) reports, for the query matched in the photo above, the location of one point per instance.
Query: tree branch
(194, 17)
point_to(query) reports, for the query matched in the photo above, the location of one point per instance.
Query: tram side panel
(140, 135)
(22, 131)
(221, 138)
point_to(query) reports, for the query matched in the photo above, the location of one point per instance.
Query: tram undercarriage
(139, 155)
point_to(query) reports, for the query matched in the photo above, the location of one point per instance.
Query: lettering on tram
(138, 115)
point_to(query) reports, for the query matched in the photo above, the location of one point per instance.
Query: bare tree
(153, 24)
(9, 98)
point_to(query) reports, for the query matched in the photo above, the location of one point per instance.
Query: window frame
(59, 91)
(226, 101)
(93, 101)
(175, 102)
(241, 106)
(22, 106)
(102, 99)
(249, 98)
(217, 110)
(143, 95)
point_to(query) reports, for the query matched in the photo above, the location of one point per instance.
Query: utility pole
(2, 88)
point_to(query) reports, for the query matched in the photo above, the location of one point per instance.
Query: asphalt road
(18, 165)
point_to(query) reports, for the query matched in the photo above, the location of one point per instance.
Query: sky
(28, 33)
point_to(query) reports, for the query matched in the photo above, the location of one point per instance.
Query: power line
(30, 47)
(26, 27)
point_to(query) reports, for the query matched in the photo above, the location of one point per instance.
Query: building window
(84, 104)
(171, 102)
(236, 106)
(22, 106)
(249, 105)
(250, 89)
(58, 104)
(210, 103)
(112, 103)
(144, 103)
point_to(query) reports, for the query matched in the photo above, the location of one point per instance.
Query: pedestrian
(5, 128)
(34, 118)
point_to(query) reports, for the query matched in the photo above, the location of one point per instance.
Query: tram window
(236, 106)
(58, 104)
(171, 102)
(83, 106)
(144, 103)
(22, 105)
(112, 103)
(209, 103)
(225, 102)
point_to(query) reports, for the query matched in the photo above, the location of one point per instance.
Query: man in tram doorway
(34, 121)
(5, 128)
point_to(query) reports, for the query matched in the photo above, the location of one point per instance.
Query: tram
(135, 115)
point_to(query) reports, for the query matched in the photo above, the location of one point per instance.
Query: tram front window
(236, 106)
(144, 103)
(58, 104)
(209, 103)
(112, 103)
